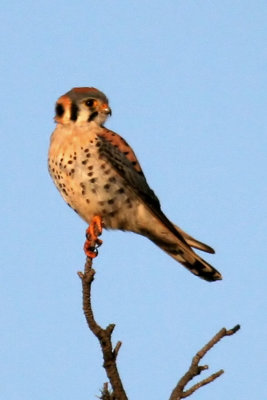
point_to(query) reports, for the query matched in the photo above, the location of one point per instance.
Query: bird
(100, 178)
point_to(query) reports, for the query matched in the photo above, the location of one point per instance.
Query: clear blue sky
(187, 85)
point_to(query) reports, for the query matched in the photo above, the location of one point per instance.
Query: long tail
(179, 248)
(193, 242)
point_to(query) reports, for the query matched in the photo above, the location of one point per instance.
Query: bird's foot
(92, 241)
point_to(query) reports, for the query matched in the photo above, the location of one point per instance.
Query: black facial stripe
(59, 110)
(74, 111)
(93, 116)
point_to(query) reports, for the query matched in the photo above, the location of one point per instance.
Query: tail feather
(182, 252)
(195, 243)
(198, 266)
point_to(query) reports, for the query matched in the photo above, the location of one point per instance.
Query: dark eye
(89, 102)
(59, 110)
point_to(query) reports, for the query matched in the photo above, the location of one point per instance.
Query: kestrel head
(84, 104)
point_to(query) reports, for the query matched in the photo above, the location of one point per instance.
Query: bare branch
(104, 338)
(195, 369)
(110, 354)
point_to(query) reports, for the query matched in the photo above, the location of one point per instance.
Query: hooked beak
(104, 108)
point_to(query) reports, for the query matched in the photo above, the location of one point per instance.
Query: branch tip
(203, 367)
(110, 328)
(117, 349)
(80, 274)
(233, 330)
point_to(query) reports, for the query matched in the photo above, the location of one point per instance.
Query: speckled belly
(91, 187)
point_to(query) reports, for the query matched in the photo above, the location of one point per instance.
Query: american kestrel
(99, 176)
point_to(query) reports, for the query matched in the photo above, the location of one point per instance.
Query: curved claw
(90, 251)
(92, 241)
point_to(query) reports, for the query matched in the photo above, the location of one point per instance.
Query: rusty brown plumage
(98, 174)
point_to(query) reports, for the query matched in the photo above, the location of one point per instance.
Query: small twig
(195, 369)
(103, 336)
(117, 349)
(204, 382)
(105, 393)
